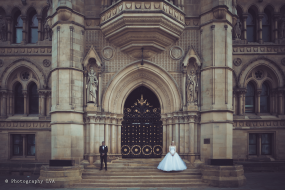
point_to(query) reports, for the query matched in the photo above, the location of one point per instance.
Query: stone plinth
(223, 176)
(63, 176)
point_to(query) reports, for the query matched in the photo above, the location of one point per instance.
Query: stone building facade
(216, 69)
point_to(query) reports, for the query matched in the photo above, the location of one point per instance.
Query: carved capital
(220, 12)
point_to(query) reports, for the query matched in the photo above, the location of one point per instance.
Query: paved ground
(255, 181)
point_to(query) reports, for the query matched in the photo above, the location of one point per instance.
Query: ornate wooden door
(141, 131)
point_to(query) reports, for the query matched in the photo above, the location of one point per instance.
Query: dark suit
(105, 151)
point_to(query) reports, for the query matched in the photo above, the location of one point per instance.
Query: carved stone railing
(165, 6)
(133, 25)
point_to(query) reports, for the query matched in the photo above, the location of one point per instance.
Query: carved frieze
(23, 51)
(259, 124)
(237, 49)
(25, 124)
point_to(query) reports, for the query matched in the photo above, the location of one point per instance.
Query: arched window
(251, 26)
(19, 99)
(264, 99)
(18, 27)
(33, 99)
(33, 27)
(266, 26)
(249, 98)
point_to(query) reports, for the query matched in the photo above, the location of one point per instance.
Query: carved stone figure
(3, 29)
(48, 33)
(92, 83)
(237, 30)
(192, 87)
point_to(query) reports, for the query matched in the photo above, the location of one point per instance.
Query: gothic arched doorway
(142, 126)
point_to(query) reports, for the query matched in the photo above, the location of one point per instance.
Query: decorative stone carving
(1, 63)
(64, 14)
(237, 30)
(47, 33)
(283, 61)
(259, 74)
(237, 62)
(108, 53)
(192, 87)
(3, 29)
(220, 12)
(176, 52)
(25, 75)
(92, 83)
(46, 63)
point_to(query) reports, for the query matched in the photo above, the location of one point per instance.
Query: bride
(172, 161)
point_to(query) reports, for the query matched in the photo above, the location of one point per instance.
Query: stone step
(144, 169)
(138, 177)
(125, 180)
(140, 184)
(138, 173)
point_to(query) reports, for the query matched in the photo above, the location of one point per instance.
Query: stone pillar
(184, 86)
(91, 140)
(107, 133)
(119, 135)
(67, 84)
(42, 97)
(192, 138)
(176, 133)
(113, 136)
(216, 110)
(9, 29)
(182, 135)
(164, 138)
(39, 28)
(100, 89)
(97, 142)
(257, 109)
(24, 145)
(48, 103)
(4, 104)
(169, 133)
(260, 17)
(24, 40)
(25, 102)
(11, 98)
(276, 19)
(244, 17)
(234, 102)
(280, 103)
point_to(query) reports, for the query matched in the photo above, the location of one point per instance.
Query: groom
(103, 155)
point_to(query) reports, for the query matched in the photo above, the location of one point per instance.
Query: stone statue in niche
(48, 33)
(92, 83)
(3, 29)
(237, 30)
(192, 87)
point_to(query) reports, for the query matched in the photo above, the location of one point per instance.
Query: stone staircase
(126, 173)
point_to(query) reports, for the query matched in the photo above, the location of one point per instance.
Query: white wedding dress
(172, 163)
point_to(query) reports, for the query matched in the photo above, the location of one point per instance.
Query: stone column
(244, 17)
(97, 142)
(10, 103)
(216, 110)
(181, 135)
(276, 19)
(48, 103)
(184, 86)
(119, 135)
(67, 79)
(9, 29)
(4, 104)
(42, 98)
(164, 138)
(234, 102)
(192, 138)
(280, 103)
(169, 132)
(107, 133)
(260, 17)
(176, 133)
(24, 40)
(24, 145)
(257, 109)
(39, 28)
(91, 140)
(240, 103)
(114, 136)
(100, 89)
(25, 93)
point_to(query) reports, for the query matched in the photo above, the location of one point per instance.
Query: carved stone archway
(149, 75)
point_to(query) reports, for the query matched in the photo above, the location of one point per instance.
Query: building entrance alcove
(141, 126)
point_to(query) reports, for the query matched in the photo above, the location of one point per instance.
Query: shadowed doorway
(142, 126)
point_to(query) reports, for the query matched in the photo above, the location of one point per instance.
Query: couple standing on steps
(171, 161)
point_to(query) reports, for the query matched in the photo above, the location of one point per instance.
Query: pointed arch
(192, 53)
(20, 62)
(149, 75)
(92, 54)
(274, 67)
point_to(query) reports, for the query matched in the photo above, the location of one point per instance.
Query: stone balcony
(133, 25)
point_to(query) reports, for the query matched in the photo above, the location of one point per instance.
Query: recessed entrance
(142, 126)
